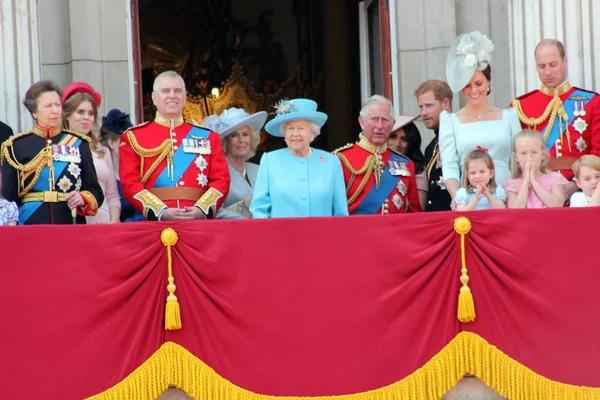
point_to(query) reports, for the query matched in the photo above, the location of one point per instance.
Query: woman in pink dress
(80, 113)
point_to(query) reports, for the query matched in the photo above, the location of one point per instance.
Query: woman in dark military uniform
(49, 171)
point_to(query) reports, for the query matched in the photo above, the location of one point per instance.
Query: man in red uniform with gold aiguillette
(567, 116)
(378, 180)
(170, 169)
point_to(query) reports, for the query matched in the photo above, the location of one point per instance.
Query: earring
(488, 89)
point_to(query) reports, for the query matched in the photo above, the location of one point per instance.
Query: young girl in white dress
(479, 190)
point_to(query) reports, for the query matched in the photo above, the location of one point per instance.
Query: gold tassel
(172, 313)
(466, 304)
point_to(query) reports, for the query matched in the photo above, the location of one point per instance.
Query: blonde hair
(528, 134)
(254, 141)
(589, 160)
(479, 155)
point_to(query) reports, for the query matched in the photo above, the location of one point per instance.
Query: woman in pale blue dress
(478, 123)
(240, 135)
(298, 181)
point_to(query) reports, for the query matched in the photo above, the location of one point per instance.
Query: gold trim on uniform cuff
(150, 203)
(91, 206)
(208, 202)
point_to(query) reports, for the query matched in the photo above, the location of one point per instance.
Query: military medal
(64, 184)
(393, 167)
(398, 168)
(582, 109)
(74, 170)
(397, 200)
(581, 145)
(66, 153)
(202, 179)
(204, 147)
(580, 125)
(402, 188)
(201, 163)
(190, 146)
(575, 109)
(441, 183)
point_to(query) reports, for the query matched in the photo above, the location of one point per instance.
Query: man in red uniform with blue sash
(568, 117)
(378, 180)
(170, 169)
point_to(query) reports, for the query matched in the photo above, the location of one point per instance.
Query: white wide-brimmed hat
(233, 119)
(402, 120)
(470, 53)
(294, 110)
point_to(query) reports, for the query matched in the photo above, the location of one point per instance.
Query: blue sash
(181, 161)
(555, 133)
(28, 209)
(375, 198)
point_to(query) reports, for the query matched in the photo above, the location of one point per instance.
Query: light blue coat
(239, 189)
(290, 186)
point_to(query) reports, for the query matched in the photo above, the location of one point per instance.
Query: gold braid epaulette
(162, 151)
(34, 166)
(366, 169)
(554, 108)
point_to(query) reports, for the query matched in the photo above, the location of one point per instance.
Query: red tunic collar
(557, 91)
(46, 133)
(364, 143)
(166, 122)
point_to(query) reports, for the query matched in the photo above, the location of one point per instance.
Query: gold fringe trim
(467, 353)
(466, 304)
(172, 313)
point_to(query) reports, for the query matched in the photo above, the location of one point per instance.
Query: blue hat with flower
(470, 53)
(233, 119)
(294, 110)
(116, 121)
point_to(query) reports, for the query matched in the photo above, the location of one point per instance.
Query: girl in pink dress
(80, 114)
(533, 186)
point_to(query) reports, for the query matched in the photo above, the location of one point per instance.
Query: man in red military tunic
(378, 180)
(567, 116)
(170, 169)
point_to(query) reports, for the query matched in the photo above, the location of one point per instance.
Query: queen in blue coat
(298, 181)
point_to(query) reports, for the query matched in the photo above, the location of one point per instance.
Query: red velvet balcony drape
(298, 307)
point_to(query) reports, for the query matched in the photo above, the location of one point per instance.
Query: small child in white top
(587, 177)
(479, 190)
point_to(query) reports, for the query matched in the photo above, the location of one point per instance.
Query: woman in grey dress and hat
(240, 135)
